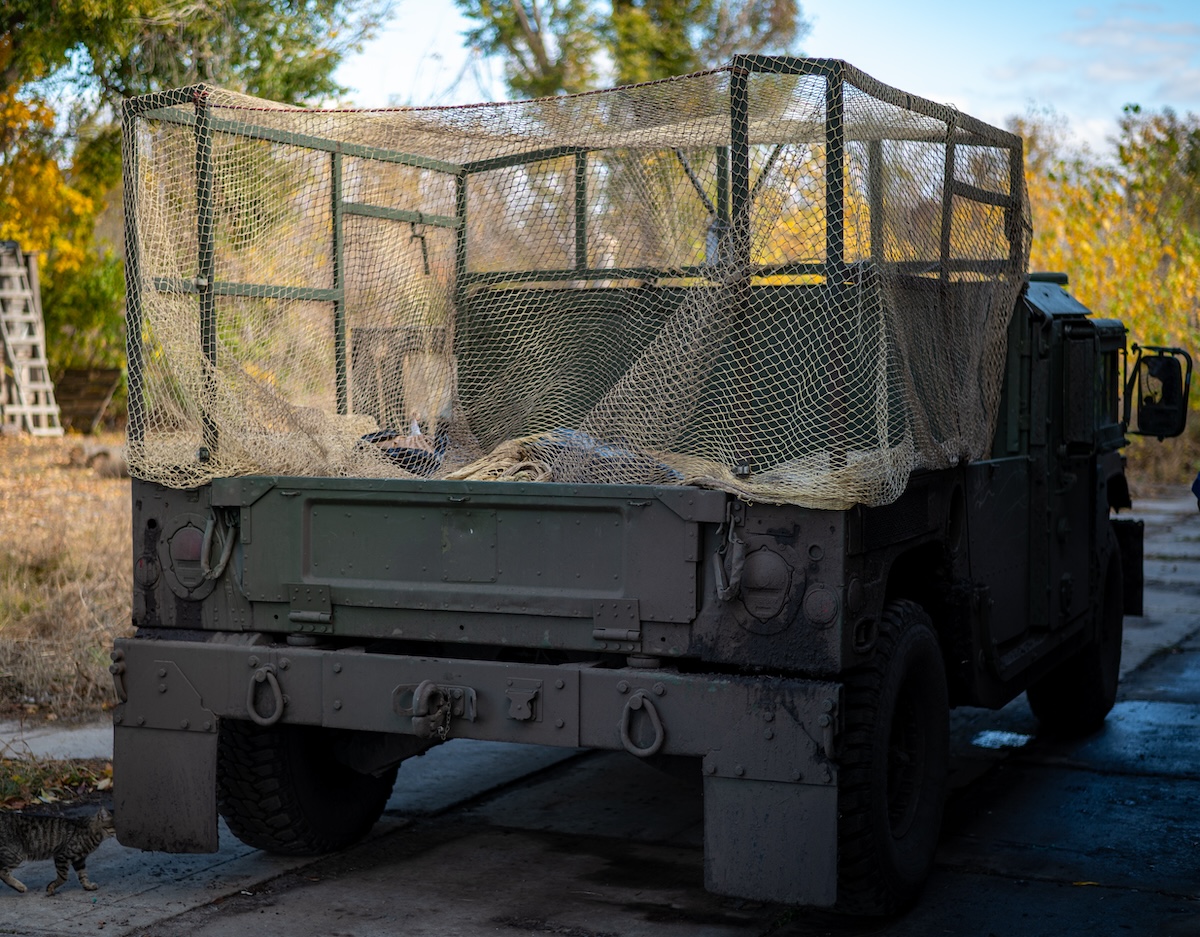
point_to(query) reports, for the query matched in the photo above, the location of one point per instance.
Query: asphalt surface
(1097, 837)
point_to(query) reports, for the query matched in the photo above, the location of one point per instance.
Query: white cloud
(1183, 86)
(1018, 69)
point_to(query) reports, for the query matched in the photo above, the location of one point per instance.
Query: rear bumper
(765, 743)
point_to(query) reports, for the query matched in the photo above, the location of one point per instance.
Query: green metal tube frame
(734, 197)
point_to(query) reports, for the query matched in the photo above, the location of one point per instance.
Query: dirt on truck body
(715, 419)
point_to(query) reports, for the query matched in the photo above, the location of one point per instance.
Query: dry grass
(64, 578)
(1170, 462)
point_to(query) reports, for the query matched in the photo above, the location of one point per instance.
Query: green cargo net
(780, 278)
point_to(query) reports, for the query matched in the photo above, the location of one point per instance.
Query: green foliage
(59, 168)
(1125, 225)
(549, 46)
(656, 38)
(283, 49)
(652, 39)
(84, 325)
(552, 46)
(1159, 159)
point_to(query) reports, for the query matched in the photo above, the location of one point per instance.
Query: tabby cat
(66, 840)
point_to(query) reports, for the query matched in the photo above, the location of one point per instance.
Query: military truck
(714, 420)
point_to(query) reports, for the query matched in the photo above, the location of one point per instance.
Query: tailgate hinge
(311, 608)
(616, 620)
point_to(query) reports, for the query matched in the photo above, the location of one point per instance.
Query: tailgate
(527, 549)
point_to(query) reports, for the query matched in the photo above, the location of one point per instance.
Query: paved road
(1094, 838)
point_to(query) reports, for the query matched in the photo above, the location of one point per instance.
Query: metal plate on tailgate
(551, 551)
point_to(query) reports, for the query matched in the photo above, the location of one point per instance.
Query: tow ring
(640, 700)
(265, 674)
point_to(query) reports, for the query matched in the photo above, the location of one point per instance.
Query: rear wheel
(893, 762)
(1075, 697)
(281, 789)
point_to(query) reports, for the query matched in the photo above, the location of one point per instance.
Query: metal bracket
(522, 695)
(311, 607)
(616, 620)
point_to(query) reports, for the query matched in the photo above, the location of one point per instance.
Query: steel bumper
(766, 743)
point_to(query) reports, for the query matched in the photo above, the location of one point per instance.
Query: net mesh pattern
(781, 278)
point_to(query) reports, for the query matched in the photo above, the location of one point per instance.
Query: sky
(1083, 61)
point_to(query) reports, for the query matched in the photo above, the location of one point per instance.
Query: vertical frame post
(460, 236)
(835, 251)
(738, 277)
(1014, 219)
(723, 186)
(134, 348)
(835, 175)
(739, 165)
(206, 266)
(875, 184)
(339, 304)
(581, 213)
(947, 209)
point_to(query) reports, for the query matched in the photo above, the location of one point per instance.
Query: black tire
(280, 789)
(894, 756)
(1074, 698)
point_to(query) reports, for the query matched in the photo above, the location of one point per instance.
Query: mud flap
(771, 840)
(164, 789)
(1130, 534)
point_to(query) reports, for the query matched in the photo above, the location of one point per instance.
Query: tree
(64, 65)
(1125, 227)
(283, 49)
(552, 46)
(549, 46)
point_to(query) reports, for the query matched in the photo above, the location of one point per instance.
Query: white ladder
(27, 401)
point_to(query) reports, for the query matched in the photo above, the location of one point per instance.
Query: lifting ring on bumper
(267, 674)
(640, 700)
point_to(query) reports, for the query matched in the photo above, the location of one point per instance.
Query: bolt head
(622, 687)
(337, 668)
(337, 704)
(739, 771)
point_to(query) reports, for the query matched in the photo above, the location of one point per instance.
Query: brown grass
(1170, 462)
(64, 578)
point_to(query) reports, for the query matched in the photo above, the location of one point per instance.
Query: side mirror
(1160, 386)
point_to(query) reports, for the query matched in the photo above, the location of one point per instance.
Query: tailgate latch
(432, 706)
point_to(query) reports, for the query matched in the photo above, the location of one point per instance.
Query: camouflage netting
(780, 278)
